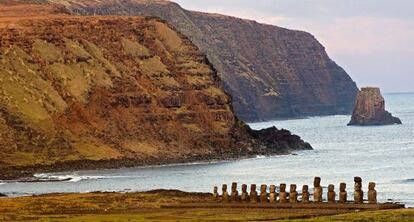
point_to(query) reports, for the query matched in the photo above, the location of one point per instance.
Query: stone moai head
(234, 186)
(317, 182)
(293, 188)
(331, 188)
(305, 188)
(272, 189)
(244, 188)
(358, 183)
(282, 187)
(215, 189)
(224, 188)
(253, 188)
(371, 186)
(342, 187)
(263, 188)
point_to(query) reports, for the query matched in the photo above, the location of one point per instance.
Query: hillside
(89, 92)
(270, 72)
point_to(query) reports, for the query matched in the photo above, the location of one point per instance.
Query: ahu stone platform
(282, 199)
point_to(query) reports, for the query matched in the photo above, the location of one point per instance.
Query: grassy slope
(147, 207)
(105, 88)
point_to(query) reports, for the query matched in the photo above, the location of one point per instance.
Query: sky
(373, 40)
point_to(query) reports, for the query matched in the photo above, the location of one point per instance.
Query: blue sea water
(382, 154)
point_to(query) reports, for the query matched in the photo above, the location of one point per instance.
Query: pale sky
(373, 40)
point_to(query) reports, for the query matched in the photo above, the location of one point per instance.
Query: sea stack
(370, 109)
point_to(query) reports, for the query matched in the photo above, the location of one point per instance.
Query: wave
(260, 156)
(72, 177)
(410, 180)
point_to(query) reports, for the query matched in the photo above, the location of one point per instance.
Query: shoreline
(27, 174)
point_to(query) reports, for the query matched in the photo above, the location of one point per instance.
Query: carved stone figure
(305, 194)
(234, 192)
(272, 194)
(225, 195)
(215, 194)
(293, 195)
(244, 195)
(331, 193)
(317, 190)
(358, 193)
(283, 194)
(263, 193)
(343, 195)
(253, 193)
(372, 193)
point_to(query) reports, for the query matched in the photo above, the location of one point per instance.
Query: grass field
(147, 207)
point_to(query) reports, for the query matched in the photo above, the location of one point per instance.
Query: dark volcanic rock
(370, 109)
(277, 139)
(3, 195)
(270, 72)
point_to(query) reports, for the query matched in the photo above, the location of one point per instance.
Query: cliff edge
(370, 109)
(270, 72)
(87, 92)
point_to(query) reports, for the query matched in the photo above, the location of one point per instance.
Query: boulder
(370, 109)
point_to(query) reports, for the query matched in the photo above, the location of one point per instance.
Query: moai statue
(244, 195)
(317, 190)
(273, 194)
(263, 193)
(331, 193)
(215, 194)
(293, 195)
(358, 193)
(343, 195)
(283, 194)
(372, 193)
(253, 193)
(305, 194)
(225, 195)
(234, 192)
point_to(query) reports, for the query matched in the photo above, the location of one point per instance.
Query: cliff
(270, 72)
(370, 109)
(89, 92)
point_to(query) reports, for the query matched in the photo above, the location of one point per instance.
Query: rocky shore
(270, 141)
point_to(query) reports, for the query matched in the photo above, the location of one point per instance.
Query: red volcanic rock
(370, 109)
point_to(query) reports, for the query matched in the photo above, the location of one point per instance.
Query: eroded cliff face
(87, 92)
(270, 72)
(370, 109)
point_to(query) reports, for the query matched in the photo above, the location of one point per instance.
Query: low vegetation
(147, 206)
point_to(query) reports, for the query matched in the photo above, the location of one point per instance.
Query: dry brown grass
(148, 207)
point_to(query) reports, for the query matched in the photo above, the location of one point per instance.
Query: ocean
(381, 154)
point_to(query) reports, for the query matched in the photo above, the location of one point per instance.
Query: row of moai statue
(292, 196)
